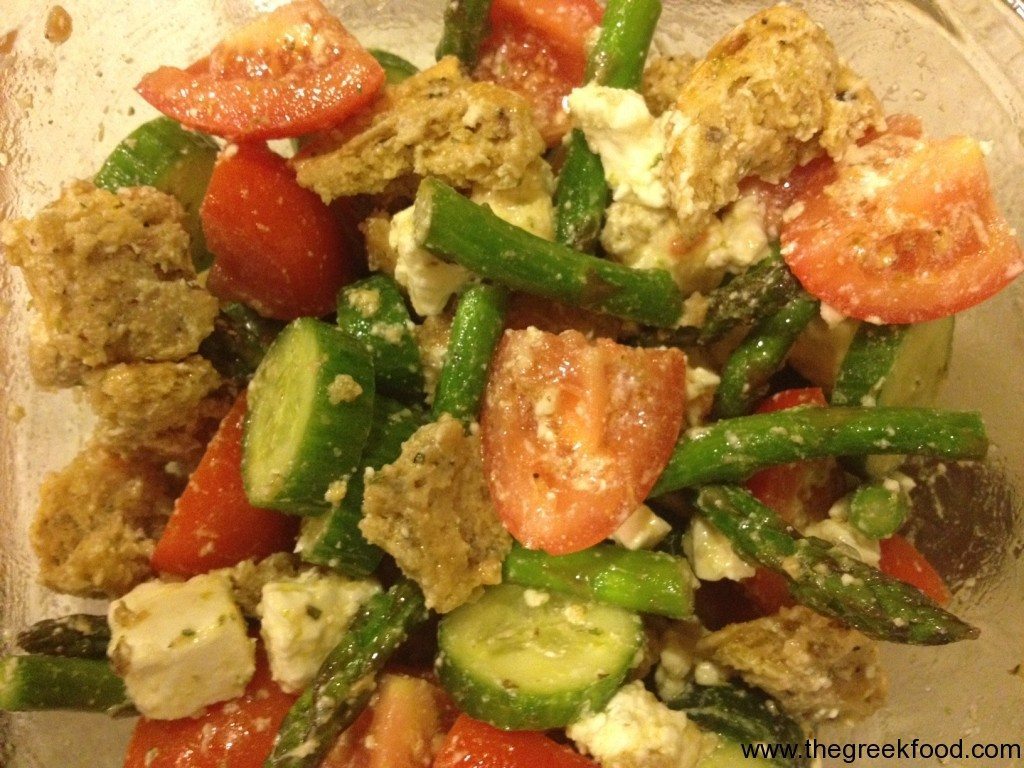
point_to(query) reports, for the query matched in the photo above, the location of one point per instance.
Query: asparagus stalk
(878, 509)
(37, 682)
(759, 292)
(374, 311)
(617, 60)
(466, 24)
(396, 69)
(641, 581)
(826, 580)
(733, 449)
(347, 678)
(81, 635)
(476, 328)
(746, 372)
(471, 235)
(741, 714)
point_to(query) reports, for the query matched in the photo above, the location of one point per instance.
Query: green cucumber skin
(510, 704)
(332, 440)
(239, 342)
(386, 334)
(334, 539)
(177, 161)
(645, 582)
(37, 683)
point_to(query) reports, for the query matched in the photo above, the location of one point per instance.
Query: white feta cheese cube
(303, 618)
(180, 646)
(711, 554)
(642, 530)
(844, 535)
(429, 280)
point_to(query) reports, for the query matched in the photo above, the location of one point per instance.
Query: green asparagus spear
(617, 60)
(741, 714)
(761, 291)
(347, 678)
(471, 235)
(466, 24)
(732, 449)
(826, 580)
(396, 69)
(878, 509)
(374, 311)
(240, 339)
(476, 328)
(40, 682)
(80, 634)
(746, 372)
(646, 582)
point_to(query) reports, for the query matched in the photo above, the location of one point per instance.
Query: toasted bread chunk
(664, 78)
(431, 511)
(815, 667)
(112, 280)
(769, 96)
(436, 123)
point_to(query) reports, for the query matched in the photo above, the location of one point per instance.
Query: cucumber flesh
(164, 155)
(729, 754)
(520, 659)
(310, 411)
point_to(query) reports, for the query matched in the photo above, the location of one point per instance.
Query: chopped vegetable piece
(466, 24)
(310, 411)
(164, 155)
(213, 524)
(581, 197)
(289, 72)
(240, 339)
(276, 246)
(908, 230)
(80, 634)
(878, 510)
(521, 659)
(646, 582)
(36, 682)
(347, 678)
(467, 234)
(575, 433)
(396, 69)
(732, 449)
(903, 561)
(477, 326)
(475, 744)
(826, 580)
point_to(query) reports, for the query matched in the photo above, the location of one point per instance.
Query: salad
(544, 406)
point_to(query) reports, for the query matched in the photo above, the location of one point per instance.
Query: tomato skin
(905, 231)
(213, 525)
(538, 49)
(903, 561)
(475, 744)
(292, 71)
(802, 491)
(276, 246)
(234, 734)
(575, 433)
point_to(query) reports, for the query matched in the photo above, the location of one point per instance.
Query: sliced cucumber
(521, 659)
(729, 754)
(164, 155)
(373, 310)
(334, 539)
(310, 411)
(894, 365)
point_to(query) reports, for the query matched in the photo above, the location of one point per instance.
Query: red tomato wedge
(292, 71)
(575, 433)
(213, 525)
(276, 246)
(903, 561)
(539, 49)
(901, 231)
(236, 734)
(474, 744)
(803, 491)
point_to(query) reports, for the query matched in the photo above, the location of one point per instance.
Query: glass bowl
(958, 64)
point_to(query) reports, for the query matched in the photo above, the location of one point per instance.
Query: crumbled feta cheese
(344, 389)
(844, 535)
(429, 281)
(701, 384)
(527, 205)
(180, 646)
(711, 554)
(709, 673)
(675, 661)
(738, 239)
(830, 315)
(636, 730)
(304, 618)
(642, 530)
(631, 142)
